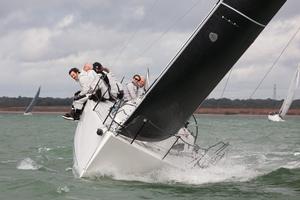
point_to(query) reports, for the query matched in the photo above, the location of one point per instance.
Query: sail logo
(213, 37)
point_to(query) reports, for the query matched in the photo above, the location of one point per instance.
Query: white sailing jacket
(89, 83)
(115, 86)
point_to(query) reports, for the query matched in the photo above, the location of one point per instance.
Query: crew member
(89, 83)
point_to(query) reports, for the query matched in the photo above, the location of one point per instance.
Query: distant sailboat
(32, 103)
(278, 117)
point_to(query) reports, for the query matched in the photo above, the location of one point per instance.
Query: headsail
(216, 45)
(33, 101)
(291, 92)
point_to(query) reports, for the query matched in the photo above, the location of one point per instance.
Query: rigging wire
(225, 86)
(169, 28)
(185, 44)
(275, 62)
(132, 35)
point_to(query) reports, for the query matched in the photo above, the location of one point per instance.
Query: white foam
(209, 175)
(62, 189)
(220, 173)
(292, 165)
(28, 164)
(231, 169)
(44, 149)
(297, 154)
(69, 169)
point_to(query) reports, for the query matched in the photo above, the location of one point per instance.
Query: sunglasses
(137, 78)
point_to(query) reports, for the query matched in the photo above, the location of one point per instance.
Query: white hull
(94, 154)
(275, 118)
(28, 113)
(115, 154)
(111, 153)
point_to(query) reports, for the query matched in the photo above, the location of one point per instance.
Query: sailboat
(279, 116)
(33, 102)
(141, 135)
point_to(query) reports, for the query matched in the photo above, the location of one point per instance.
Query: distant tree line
(24, 101)
(209, 103)
(246, 103)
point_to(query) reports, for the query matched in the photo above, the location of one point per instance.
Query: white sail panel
(33, 101)
(291, 92)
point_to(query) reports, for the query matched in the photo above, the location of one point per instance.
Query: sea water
(262, 162)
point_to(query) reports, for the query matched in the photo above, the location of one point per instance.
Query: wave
(28, 164)
(292, 165)
(281, 176)
(44, 149)
(63, 189)
(8, 161)
(297, 154)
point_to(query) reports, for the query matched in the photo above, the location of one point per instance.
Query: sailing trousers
(78, 103)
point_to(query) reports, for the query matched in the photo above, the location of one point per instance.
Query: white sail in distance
(291, 92)
(33, 101)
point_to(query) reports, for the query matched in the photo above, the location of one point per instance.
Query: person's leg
(77, 108)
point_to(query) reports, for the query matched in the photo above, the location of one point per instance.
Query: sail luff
(33, 101)
(291, 92)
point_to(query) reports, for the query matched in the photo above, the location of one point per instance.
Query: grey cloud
(127, 36)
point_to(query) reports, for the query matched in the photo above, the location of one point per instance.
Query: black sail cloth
(218, 43)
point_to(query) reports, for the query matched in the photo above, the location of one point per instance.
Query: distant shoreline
(37, 109)
(217, 111)
(243, 111)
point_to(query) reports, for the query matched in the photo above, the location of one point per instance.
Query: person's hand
(93, 97)
(77, 93)
(77, 97)
(120, 95)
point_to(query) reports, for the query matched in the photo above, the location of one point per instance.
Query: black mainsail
(33, 102)
(217, 44)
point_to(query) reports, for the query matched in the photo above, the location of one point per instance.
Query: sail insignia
(213, 37)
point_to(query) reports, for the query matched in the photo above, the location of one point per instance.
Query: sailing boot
(76, 114)
(70, 115)
(73, 115)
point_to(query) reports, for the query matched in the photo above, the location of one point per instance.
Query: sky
(41, 40)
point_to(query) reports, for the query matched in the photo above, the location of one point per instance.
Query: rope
(225, 86)
(275, 62)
